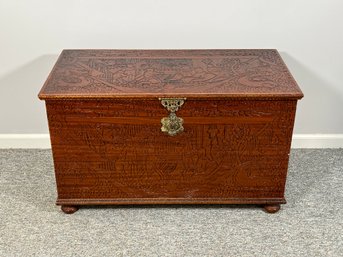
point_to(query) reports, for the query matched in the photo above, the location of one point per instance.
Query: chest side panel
(115, 149)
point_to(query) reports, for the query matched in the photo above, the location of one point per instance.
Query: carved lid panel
(259, 73)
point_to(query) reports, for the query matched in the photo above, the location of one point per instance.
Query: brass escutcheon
(172, 124)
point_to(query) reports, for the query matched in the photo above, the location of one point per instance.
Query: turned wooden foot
(69, 209)
(272, 208)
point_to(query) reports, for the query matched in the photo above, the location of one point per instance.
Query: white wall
(309, 35)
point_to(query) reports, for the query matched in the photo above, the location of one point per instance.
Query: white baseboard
(24, 141)
(299, 141)
(317, 141)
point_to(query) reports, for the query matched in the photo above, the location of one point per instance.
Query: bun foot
(272, 208)
(69, 209)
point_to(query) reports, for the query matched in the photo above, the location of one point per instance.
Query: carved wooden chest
(170, 127)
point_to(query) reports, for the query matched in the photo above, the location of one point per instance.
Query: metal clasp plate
(172, 124)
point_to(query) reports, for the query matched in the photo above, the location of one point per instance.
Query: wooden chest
(170, 127)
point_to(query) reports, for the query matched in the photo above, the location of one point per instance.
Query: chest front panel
(115, 149)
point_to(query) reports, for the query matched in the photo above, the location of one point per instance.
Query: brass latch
(172, 124)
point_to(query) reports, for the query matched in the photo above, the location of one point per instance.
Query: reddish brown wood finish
(160, 73)
(114, 152)
(69, 209)
(272, 208)
(108, 147)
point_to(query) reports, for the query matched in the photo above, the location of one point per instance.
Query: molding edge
(42, 141)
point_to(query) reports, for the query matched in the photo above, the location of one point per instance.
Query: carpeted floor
(311, 224)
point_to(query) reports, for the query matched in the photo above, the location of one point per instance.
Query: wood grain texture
(105, 116)
(113, 151)
(165, 73)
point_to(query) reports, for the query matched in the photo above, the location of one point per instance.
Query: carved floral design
(103, 72)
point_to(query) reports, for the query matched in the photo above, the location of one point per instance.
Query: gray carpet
(311, 224)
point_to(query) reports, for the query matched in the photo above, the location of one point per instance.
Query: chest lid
(83, 74)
